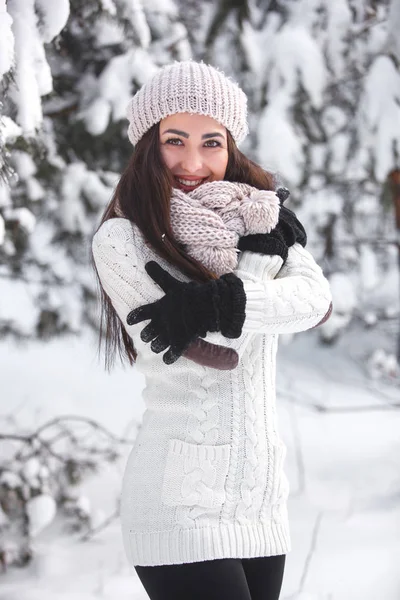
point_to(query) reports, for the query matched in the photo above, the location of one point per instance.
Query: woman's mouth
(187, 185)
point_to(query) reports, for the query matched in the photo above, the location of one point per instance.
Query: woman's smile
(187, 183)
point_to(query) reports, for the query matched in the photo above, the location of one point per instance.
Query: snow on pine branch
(33, 23)
(6, 40)
(394, 29)
(379, 116)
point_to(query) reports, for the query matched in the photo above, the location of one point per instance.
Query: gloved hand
(189, 310)
(288, 231)
(289, 226)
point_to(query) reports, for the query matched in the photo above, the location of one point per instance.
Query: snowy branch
(40, 478)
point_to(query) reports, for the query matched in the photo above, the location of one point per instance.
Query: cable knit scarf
(210, 220)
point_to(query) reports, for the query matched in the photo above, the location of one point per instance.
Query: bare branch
(92, 532)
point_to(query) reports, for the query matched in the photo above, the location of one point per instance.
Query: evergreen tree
(323, 84)
(68, 147)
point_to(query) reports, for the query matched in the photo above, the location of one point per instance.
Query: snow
(34, 22)
(379, 114)
(23, 217)
(6, 40)
(369, 269)
(344, 300)
(41, 511)
(9, 130)
(109, 6)
(27, 56)
(107, 33)
(133, 11)
(319, 205)
(339, 20)
(31, 469)
(333, 119)
(2, 230)
(393, 22)
(339, 149)
(279, 145)
(297, 59)
(78, 182)
(24, 164)
(53, 17)
(382, 364)
(10, 479)
(18, 305)
(113, 89)
(341, 463)
(293, 60)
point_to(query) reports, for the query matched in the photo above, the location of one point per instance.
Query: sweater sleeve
(296, 300)
(120, 271)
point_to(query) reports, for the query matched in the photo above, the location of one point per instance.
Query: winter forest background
(323, 83)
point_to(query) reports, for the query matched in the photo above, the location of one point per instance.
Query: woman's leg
(207, 580)
(264, 576)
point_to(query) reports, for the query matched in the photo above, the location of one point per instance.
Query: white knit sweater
(205, 477)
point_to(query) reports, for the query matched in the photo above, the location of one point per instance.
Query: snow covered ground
(342, 433)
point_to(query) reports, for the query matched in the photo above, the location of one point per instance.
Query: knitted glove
(289, 226)
(189, 310)
(288, 231)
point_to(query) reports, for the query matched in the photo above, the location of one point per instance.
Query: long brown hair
(143, 196)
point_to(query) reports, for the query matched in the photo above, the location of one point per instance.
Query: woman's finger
(142, 313)
(159, 344)
(160, 276)
(148, 333)
(176, 352)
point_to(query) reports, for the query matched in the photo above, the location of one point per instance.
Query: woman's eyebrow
(177, 131)
(186, 135)
(210, 135)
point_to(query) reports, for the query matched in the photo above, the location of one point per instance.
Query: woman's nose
(192, 161)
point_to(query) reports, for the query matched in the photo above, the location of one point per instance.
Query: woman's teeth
(189, 183)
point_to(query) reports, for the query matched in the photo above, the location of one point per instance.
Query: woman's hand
(189, 310)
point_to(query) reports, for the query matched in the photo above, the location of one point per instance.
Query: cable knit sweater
(205, 477)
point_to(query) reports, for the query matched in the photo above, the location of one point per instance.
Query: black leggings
(220, 579)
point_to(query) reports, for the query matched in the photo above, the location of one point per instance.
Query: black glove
(287, 232)
(189, 310)
(265, 243)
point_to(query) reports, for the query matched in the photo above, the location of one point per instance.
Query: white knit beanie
(188, 87)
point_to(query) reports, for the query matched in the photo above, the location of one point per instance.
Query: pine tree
(68, 147)
(323, 84)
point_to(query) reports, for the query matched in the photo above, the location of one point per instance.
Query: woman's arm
(290, 299)
(296, 300)
(121, 268)
(121, 271)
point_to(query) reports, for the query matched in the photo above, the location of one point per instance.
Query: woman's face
(194, 148)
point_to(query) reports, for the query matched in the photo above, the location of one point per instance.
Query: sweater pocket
(195, 474)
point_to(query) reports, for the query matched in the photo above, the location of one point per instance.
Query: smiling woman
(194, 148)
(201, 267)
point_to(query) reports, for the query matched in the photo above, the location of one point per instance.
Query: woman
(201, 267)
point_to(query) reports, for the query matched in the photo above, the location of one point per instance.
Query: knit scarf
(210, 220)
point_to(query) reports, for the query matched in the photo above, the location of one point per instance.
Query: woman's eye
(214, 142)
(173, 140)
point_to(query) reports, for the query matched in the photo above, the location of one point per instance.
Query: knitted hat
(188, 87)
